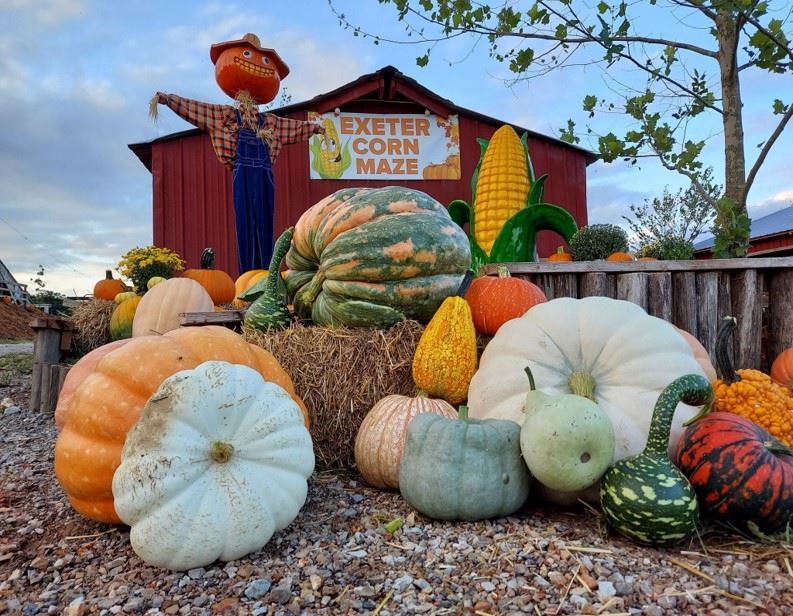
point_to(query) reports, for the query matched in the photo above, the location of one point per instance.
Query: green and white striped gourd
(268, 310)
(644, 496)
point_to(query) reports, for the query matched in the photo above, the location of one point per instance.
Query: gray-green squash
(463, 469)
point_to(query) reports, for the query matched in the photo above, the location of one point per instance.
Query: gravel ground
(336, 558)
(15, 347)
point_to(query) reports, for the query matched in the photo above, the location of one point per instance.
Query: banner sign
(370, 146)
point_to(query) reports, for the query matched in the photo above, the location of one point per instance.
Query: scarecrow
(246, 141)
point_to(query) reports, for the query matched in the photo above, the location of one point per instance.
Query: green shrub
(597, 242)
(675, 248)
(651, 248)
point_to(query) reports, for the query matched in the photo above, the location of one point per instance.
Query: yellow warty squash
(445, 359)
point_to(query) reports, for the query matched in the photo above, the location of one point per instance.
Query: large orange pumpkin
(494, 300)
(109, 287)
(110, 399)
(76, 376)
(782, 369)
(218, 283)
(244, 282)
(244, 65)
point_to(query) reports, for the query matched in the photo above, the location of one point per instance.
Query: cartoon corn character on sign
(328, 158)
(508, 210)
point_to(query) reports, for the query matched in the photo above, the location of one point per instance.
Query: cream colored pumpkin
(611, 347)
(216, 464)
(381, 437)
(700, 354)
(159, 310)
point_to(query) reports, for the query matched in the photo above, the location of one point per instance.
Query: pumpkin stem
(775, 447)
(706, 408)
(108, 275)
(466, 282)
(532, 385)
(221, 452)
(503, 271)
(582, 384)
(724, 360)
(420, 393)
(462, 413)
(208, 259)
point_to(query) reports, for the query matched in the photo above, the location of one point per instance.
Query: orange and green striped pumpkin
(369, 257)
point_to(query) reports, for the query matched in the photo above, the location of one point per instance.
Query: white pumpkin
(217, 463)
(612, 347)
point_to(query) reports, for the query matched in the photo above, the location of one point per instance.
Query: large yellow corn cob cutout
(502, 188)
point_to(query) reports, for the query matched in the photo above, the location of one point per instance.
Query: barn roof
(776, 223)
(385, 84)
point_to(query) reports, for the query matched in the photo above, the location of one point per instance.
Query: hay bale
(340, 374)
(91, 322)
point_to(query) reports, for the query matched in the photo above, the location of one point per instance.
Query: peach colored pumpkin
(158, 311)
(381, 437)
(244, 282)
(110, 399)
(782, 369)
(700, 354)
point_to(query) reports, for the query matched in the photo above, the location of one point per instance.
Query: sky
(76, 77)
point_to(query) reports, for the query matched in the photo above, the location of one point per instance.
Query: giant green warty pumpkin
(369, 257)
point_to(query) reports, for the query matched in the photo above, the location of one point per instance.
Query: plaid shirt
(220, 121)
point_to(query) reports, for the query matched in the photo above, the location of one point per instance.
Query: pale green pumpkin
(463, 469)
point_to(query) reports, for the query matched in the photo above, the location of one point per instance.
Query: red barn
(192, 199)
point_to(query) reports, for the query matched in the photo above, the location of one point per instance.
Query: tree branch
(760, 28)
(767, 147)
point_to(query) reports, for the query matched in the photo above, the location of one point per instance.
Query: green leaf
(517, 239)
(779, 107)
(602, 7)
(537, 190)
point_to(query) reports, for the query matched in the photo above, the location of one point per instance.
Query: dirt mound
(15, 321)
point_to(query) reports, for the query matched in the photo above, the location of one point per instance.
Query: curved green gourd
(646, 497)
(463, 469)
(269, 310)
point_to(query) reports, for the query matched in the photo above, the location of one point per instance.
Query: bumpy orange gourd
(218, 283)
(381, 437)
(620, 256)
(445, 359)
(751, 393)
(782, 369)
(560, 256)
(110, 399)
(244, 282)
(109, 287)
(494, 300)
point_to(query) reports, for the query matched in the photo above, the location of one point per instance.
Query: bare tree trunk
(734, 161)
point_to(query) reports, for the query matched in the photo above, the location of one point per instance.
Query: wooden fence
(694, 295)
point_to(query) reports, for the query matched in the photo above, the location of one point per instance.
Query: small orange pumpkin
(494, 300)
(218, 283)
(109, 287)
(620, 256)
(244, 282)
(782, 369)
(110, 398)
(647, 259)
(560, 256)
(244, 65)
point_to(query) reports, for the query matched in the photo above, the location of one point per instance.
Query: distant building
(772, 236)
(192, 198)
(9, 288)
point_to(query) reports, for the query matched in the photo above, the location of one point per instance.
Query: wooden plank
(580, 267)
(64, 370)
(746, 289)
(593, 283)
(46, 376)
(659, 295)
(633, 288)
(545, 282)
(49, 394)
(35, 387)
(684, 301)
(780, 313)
(565, 285)
(47, 346)
(227, 317)
(707, 299)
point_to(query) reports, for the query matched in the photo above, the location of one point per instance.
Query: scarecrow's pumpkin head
(246, 65)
